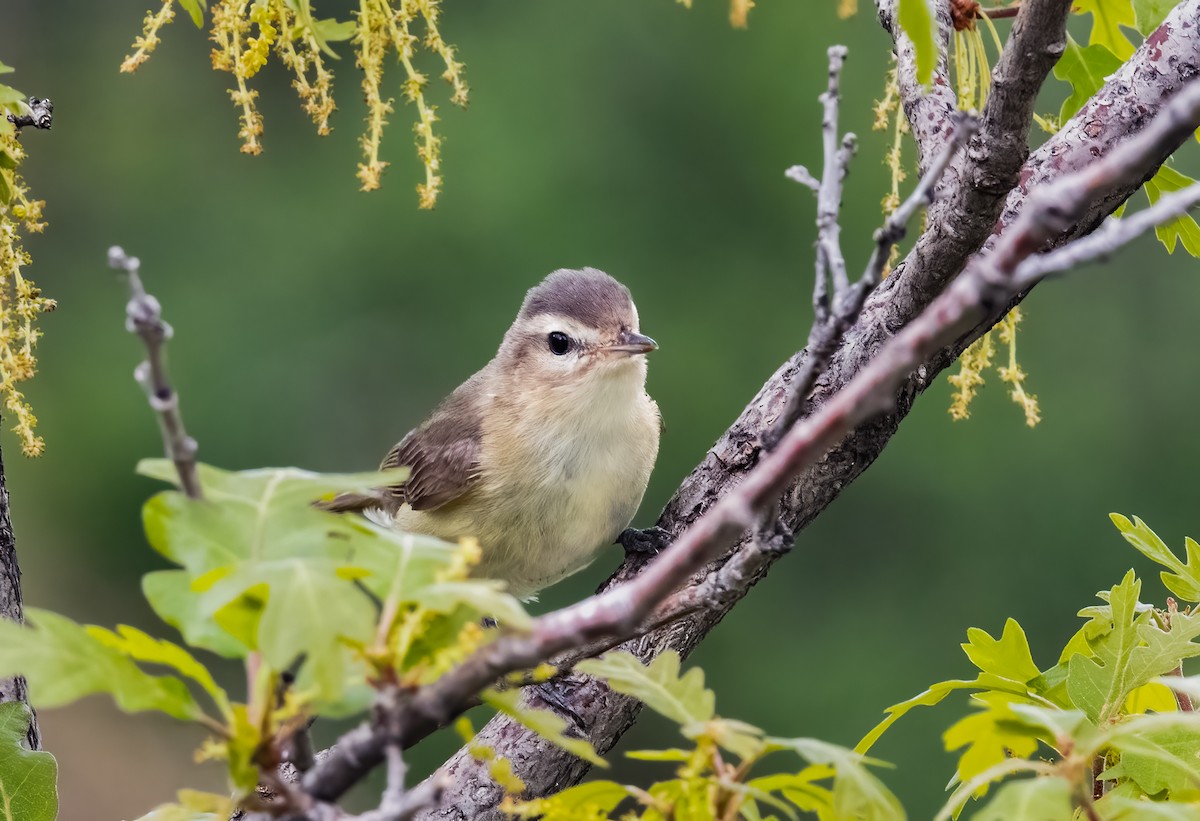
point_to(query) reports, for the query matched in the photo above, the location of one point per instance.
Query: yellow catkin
(144, 45)
(1012, 373)
(21, 301)
(300, 53)
(230, 30)
(371, 42)
(847, 9)
(971, 365)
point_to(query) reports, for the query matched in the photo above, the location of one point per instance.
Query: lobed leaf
(28, 779)
(856, 792)
(683, 699)
(1108, 16)
(1034, 799)
(1184, 230)
(1184, 578)
(63, 663)
(1086, 69)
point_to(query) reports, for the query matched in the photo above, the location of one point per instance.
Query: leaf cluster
(718, 774)
(1107, 731)
(327, 614)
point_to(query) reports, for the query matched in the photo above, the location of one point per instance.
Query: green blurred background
(315, 325)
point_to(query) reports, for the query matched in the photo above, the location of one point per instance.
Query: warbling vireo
(544, 454)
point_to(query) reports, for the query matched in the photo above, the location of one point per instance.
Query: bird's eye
(560, 343)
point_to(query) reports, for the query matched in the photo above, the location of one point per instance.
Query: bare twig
(830, 262)
(1105, 240)
(38, 113)
(144, 318)
(828, 329)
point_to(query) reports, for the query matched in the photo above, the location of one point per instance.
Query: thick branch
(958, 224)
(1162, 66)
(930, 111)
(13, 689)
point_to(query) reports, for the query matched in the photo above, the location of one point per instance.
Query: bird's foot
(648, 542)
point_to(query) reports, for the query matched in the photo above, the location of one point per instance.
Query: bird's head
(576, 330)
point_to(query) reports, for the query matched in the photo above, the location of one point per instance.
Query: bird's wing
(443, 459)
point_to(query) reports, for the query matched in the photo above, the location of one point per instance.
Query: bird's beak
(632, 343)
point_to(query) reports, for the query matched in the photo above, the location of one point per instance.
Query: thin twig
(1111, 235)
(38, 113)
(144, 317)
(827, 333)
(985, 286)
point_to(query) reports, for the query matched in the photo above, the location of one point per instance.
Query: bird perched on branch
(545, 453)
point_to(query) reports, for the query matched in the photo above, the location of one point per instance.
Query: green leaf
(1184, 580)
(917, 20)
(253, 514)
(1158, 752)
(592, 801)
(1006, 665)
(6, 69)
(1134, 652)
(1107, 18)
(196, 9)
(546, 723)
(303, 11)
(12, 99)
(1182, 229)
(1149, 14)
(856, 792)
(1190, 686)
(1117, 807)
(310, 611)
(1098, 685)
(683, 699)
(28, 779)
(171, 596)
(141, 647)
(1086, 69)
(990, 735)
(672, 754)
(801, 788)
(1007, 657)
(333, 31)
(193, 806)
(486, 597)
(1030, 799)
(1065, 724)
(742, 739)
(255, 537)
(63, 663)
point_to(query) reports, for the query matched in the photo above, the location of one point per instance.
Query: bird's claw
(648, 542)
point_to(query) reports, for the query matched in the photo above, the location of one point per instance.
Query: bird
(544, 454)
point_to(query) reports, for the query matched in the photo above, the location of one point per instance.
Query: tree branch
(977, 184)
(13, 689)
(144, 318)
(1163, 65)
(930, 111)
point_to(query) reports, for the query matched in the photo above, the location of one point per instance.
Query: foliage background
(315, 325)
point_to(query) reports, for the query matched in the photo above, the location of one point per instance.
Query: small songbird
(545, 453)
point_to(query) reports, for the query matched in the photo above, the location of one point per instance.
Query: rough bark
(1132, 97)
(12, 689)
